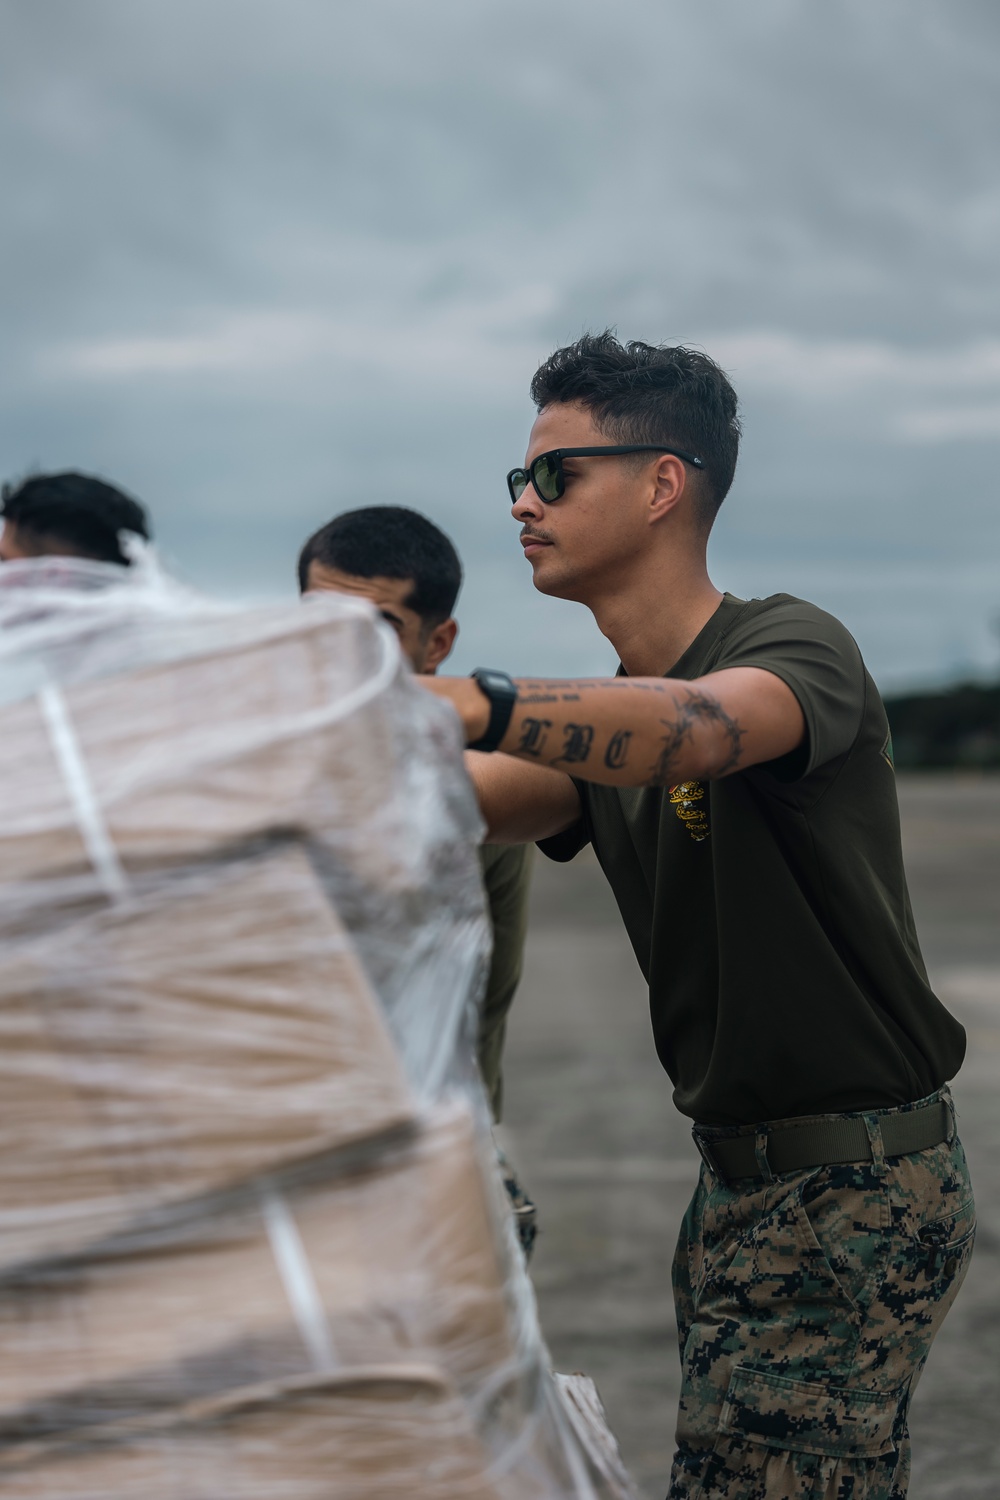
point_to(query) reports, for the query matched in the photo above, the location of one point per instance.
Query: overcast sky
(264, 260)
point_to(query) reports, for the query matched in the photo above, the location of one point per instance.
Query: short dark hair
(75, 513)
(650, 393)
(389, 541)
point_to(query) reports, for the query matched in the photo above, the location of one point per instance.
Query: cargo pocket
(782, 1439)
(808, 1417)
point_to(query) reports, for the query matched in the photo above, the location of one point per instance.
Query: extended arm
(639, 731)
(521, 803)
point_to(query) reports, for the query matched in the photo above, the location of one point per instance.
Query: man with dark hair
(68, 515)
(736, 782)
(410, 571)
(402, 563)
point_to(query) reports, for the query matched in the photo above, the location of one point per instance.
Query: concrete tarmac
(590, 1123)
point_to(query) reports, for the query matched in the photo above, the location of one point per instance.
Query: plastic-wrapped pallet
(252, 1242)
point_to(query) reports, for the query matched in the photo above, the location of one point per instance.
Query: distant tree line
(958, 727)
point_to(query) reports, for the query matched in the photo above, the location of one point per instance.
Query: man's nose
(528, 507)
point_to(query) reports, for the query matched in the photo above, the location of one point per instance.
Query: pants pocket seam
(858, 1301)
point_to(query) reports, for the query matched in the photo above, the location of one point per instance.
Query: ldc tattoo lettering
(577, 740)
(616, 753)
(534, 733)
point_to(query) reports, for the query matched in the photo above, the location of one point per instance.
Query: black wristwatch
(502, 695)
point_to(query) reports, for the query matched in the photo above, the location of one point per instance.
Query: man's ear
(439, 644)
(670, 482)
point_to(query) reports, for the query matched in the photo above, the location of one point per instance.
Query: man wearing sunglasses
(736, 782)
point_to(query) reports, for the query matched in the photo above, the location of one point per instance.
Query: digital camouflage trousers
(806, 1307)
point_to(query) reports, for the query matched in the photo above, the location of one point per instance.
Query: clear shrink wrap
(252, 1238)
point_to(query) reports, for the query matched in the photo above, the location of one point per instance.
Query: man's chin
(553, 581)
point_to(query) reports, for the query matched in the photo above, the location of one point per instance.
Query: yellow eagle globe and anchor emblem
(685, 799)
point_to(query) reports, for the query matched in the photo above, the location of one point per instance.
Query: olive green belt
(789, 1147)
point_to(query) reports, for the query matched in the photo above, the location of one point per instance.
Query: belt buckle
(705, 1152)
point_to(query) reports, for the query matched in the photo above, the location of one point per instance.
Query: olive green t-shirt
(506, 876)
(768, 910)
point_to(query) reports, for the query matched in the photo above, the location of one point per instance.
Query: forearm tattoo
(616, 754)
(558, 691)
(693, 710)
(577, 742)
(534, 733)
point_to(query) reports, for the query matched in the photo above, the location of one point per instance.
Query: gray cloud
(265, 260)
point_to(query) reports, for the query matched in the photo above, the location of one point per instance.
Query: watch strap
(502, 695)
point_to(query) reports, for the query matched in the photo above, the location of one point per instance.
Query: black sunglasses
(546, 471)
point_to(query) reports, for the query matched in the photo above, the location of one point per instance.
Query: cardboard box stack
(244, 1251)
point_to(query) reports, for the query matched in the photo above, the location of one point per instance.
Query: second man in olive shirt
(406, 566)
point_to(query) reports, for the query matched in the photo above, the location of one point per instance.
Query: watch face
(492, 682)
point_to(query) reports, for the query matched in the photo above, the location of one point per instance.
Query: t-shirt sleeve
(819, 660)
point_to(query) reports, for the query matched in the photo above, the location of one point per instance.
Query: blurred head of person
(68, 515)
(623, 515)
(402, 563)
